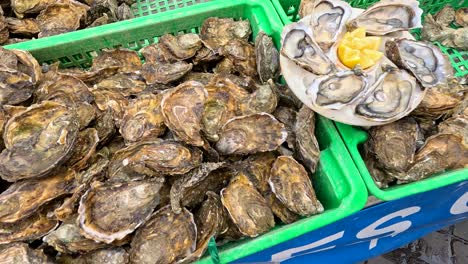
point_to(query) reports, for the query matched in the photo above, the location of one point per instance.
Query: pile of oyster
(145, 163)
(380, 94)
(448, 26)
(22, 20)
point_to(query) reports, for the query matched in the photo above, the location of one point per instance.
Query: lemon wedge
(357, 49)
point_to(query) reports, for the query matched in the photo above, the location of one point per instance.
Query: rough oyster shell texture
(378, 95)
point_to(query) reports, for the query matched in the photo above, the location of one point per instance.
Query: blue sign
(374, 230)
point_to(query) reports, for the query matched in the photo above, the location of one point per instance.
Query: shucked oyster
(110, 211)
(182, 110)
(290, 182)
(250, 134)
(166, 237)
(24, 198)
(247, 207)
(427, 63)
(154, 158)
(388, 16)
(37, 140)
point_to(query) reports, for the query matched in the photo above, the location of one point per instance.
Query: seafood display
(360, 67)
(146, 162)
(22, 20)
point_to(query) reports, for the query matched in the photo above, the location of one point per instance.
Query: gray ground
(446, 246)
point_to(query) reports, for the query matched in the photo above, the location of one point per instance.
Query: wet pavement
(446, 246)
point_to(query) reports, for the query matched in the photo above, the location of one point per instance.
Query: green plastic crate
(288, 9)
(149, 7)
(354, 137)
(337, 182)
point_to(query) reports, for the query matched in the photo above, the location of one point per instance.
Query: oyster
(24, 198)
(143, 118)
(105, 125)
(299, 46)
(22, 7)
(45, 132)
(182, 110)
(63, 88)
(205, 55)
(290, 183)
(217, 32)
(124, 59)
(257, 169)
(164, 73)
(387, 16)
(394, 145)
(111, 100)
(242, 55)
(15, 86)
(247, 207)
(165, 238)
(27, 27)
(125, 83)
(28, 229)
(427, 63)
(190, 189)
(445, 16)
(155, 158)
(250, 134)
(181, 47)
(86, 143)
(124, 12)
(59, 18)
(264, 99)
(328, 21)
(110, 211)
(461, 17)
(267, 57)
(391, 97)
(116, 255)
(306, 7)
(21, 253)
(287, 116)
(280, 210)
(306, 146)
(4, 32)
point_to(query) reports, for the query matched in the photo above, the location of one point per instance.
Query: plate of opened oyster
(360, 67)
(131, 162)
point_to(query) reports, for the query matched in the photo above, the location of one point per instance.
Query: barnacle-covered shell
(264, 99)
(24, 198)
(221, 105)
(250, 134)
(143, 119)
(110, 211)
(440, 152)
(124, 59)
(156, 158)
(242, 55)
(291, 184)
(328, 21)
(28, 229)
(307, 148)
(181, 47)
(394, 145)
(217, 32)
(182, 110)
(267, 57)
(126, 83)
(26, 27)
(190, 189)
(37, 140)
(300, 47)
(247, 207)
(166, 237)
(21, 253)
(427, 63)
(388, 16)
(164, 73)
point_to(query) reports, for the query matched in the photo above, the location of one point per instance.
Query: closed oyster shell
(257, 169)
(427, 63)
(111, 100)
(247, 207)
(124, 59)
(24, 198)
(445, 16)
(182, 110)
(59, 86)
(242, 55)
(110, 211)
(217, 32)
(307, 148)
(27, 64)
(15, 86)
(42, 135)
(291, 184)
(86, 143)
(143, 118)
(267, 57)
(181, 47)
(25, 27)
(21, 7)
(287, 116)
(264, 99)
(388, 16)
(165, 238)
(280, 210)
(164, 73)
(27, 229)
(250, 134)
(116, 255)
(461, 17)
(21, 253)
(125, 83)
(154, 158)
(59, 18)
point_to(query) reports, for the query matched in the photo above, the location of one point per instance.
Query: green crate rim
(352, 201)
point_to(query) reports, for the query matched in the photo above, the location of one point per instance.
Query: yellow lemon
(355, 48)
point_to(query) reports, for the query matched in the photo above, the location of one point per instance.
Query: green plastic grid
(288, 12)
(354, 137)
(149, 7)
(337, 182)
